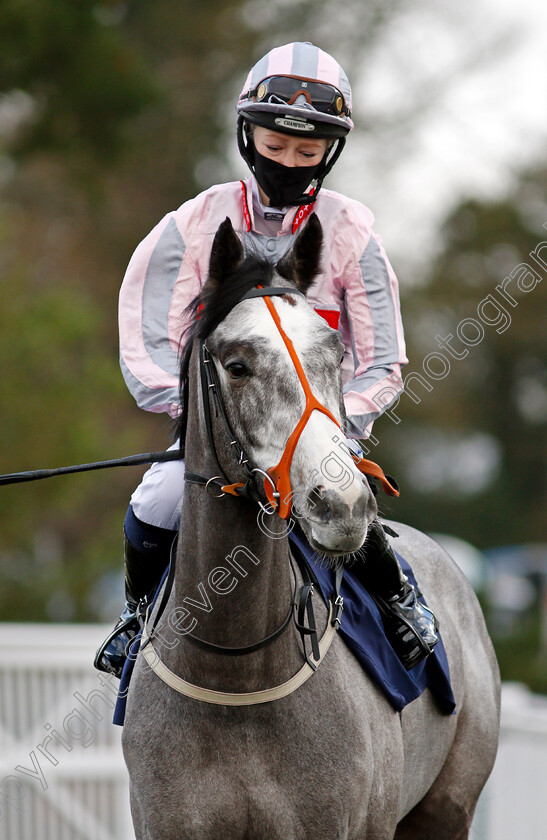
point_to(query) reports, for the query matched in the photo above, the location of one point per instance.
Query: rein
(245, 698)
(277, 483)
(129, 461)
(277, 487)
(276, 479)
(211, 392)
(301, 606)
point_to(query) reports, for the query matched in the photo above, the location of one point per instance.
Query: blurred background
(113, 113)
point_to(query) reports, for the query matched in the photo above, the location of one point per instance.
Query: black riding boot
(143, 570)
(410, 626)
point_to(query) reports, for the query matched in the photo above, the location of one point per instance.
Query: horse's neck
(225, 558)
(232, 576)
(235, 582)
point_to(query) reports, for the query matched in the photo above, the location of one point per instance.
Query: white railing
(513, 805)
(62, 775)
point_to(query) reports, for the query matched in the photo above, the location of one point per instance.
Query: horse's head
(277, 367)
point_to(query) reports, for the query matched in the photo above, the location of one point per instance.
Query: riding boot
(144, 567)
(410, 626)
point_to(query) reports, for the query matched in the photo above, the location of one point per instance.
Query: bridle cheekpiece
(276, 483)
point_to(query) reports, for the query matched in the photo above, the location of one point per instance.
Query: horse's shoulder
(413, 537)
(435, 570)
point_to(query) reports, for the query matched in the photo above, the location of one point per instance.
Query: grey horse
(331, 759)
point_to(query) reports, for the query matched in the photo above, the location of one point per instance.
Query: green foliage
(470, 445)
(495, 397)
(521, 658)
(85, 79)
(105, 111)
(112, 108)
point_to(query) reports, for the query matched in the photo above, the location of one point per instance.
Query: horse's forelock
(218, 299)
(208, 309)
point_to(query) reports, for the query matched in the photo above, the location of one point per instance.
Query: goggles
(323, 97)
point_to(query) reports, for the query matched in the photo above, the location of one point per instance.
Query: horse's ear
(303, 262)
(226, 253)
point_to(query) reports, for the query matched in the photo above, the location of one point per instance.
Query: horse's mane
(207, 310)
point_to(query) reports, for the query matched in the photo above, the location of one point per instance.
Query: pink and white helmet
(298, 89)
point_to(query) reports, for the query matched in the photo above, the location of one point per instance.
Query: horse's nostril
(318, 503)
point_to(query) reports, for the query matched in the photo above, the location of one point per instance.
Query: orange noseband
(277, 482)
(280, 498)
(280, 473)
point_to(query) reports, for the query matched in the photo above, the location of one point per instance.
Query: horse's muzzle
(335, 521)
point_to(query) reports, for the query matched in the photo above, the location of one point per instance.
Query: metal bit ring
(215, 495)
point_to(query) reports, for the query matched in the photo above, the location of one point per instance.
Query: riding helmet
(301, 90)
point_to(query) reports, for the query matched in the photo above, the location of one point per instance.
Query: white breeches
(158, 498)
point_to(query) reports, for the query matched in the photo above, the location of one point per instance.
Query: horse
(331, 758)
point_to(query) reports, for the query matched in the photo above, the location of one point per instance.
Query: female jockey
(294, 113)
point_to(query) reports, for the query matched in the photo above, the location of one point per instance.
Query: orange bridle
(280, 473)
(277, 482)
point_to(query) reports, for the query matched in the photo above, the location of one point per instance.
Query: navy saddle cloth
(363, 632)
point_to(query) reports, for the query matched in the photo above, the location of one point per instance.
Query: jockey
(294, 113)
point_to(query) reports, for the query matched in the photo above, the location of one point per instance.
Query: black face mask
(284, 185)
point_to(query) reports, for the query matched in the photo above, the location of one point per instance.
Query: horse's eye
(237, 370)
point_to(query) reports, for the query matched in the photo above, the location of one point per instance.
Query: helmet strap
(244, 143)
(328, 162)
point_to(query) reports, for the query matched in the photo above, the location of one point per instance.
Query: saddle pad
(363, 631)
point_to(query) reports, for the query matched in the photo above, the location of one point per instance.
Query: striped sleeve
(376, 335)
(149, 335)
